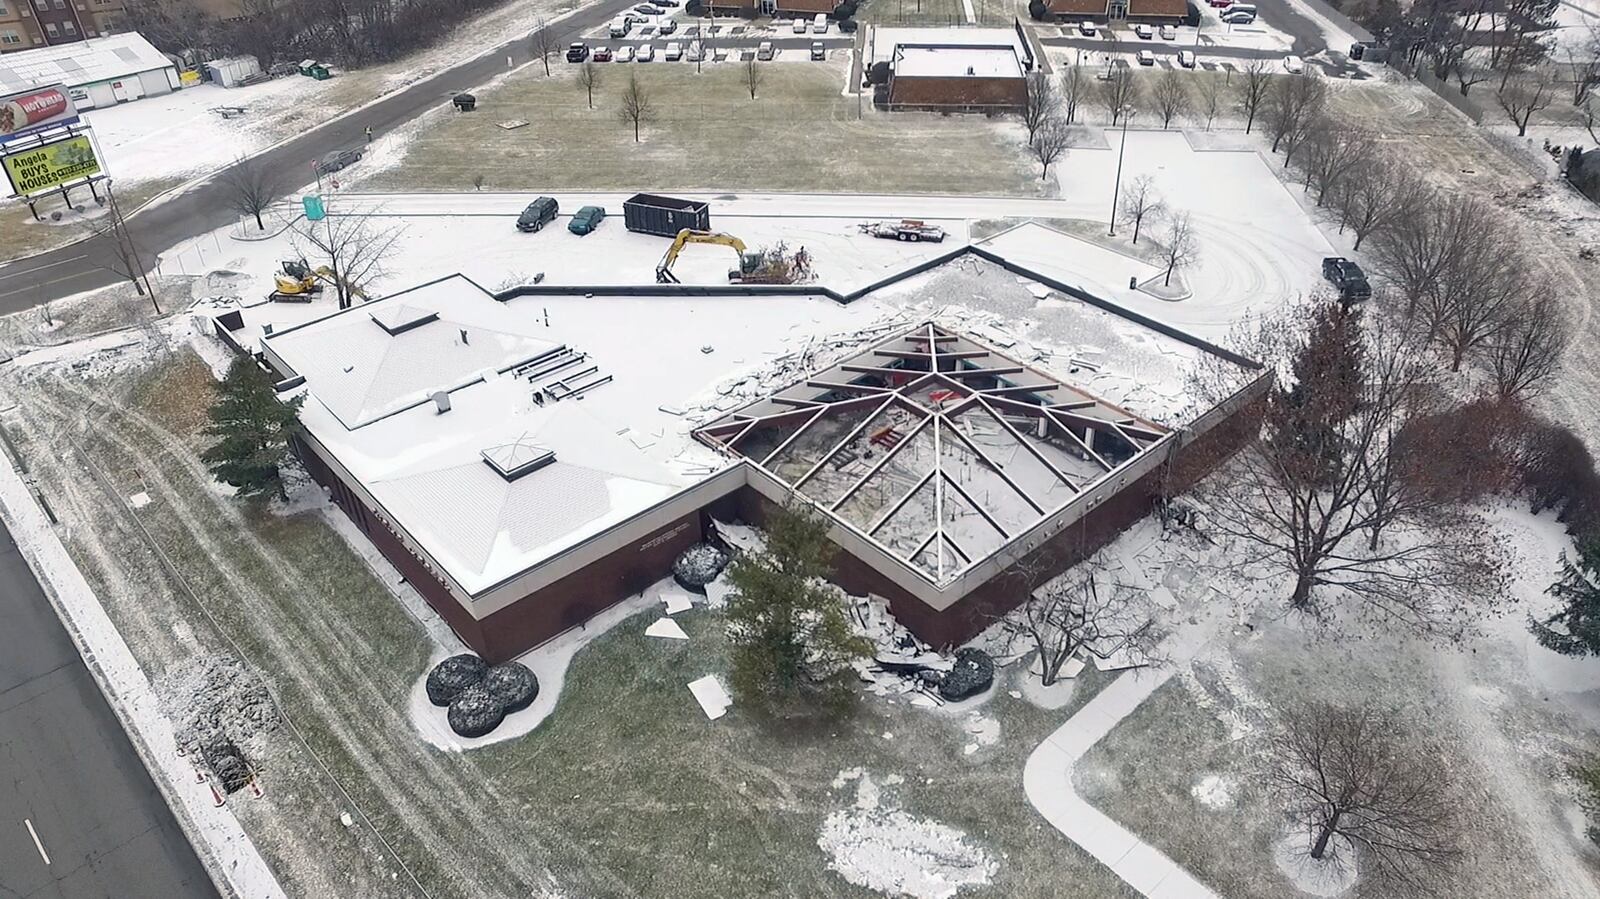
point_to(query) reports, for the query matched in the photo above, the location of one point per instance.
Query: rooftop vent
(401, 318)
(441, 399)
(515, 459)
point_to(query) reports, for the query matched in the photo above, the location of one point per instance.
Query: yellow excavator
(297, 282)
(748, 262)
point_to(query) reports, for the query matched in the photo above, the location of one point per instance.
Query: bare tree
(126, 256)
(754, 74)
(634, 106)
(1169, 98)
(1352, 780)
(1469, 72)
(1040, 102)
(1334, 151)
(353, 250)
(1074, 91)
(589, 79)
(1049, 143)
(1141, 200)
(1525, 96)
(1414, 251)
(542, 42)
(1293, 105)
(1181, 245)
(1378, 194)
(1253, 90)
(1526, 354)
(1475, 296)
(1083, 609)
(1583, 60)
(1210, 99)
(250, 188)
(477, 181)
(1299, 496)
(1116, 93)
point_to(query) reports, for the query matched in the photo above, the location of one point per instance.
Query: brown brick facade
(939, 93)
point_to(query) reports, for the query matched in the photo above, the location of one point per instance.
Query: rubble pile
(216, 700)
(901, 664)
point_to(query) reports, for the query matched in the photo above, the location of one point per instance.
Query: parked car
(1294, 65)
(668, 26)
(673, 53)
(624, 53)
(1220, 4)
(1169, 33)
(646, 53)
(819, 23)
(669, 4)
(602, 54)
(1239, 14)
(696, 53)
(1348, 277)
(644, 10)
(586, 220)
(338, 159)
(1147, 58)
(577, 52)
(539, 213)
(819, 53)
(620, 26)
(1186, 58)
(1087, 28)
(799, 25)
(1145, 32)
(764, 51)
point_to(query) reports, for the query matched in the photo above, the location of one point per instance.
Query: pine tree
(1326, 390)
(1575, 629)
(791, 642)
(253, 428)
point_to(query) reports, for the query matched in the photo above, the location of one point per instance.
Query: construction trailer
(665, 216)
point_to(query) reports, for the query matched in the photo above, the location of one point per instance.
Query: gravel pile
(217, 700)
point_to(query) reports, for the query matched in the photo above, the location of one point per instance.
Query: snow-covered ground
(179, 135)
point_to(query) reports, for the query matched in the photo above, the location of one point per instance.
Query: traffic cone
(216, 796)
(255, 788)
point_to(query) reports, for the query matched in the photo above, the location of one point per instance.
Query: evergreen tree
(791, 642)
(253, 428)
(1325, 391)
(1575, 629)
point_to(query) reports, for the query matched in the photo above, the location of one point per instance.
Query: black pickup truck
(1348, 277)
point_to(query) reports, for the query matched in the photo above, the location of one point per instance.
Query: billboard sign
(52, 165)
(36, 110)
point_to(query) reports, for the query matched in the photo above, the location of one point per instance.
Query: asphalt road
(87, 265)
(68, 771)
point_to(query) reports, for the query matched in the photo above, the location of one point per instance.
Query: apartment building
(30, 24)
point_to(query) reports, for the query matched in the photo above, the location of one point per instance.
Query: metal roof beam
(1032, 450)
(984, 513)
(890, 454)
(978, 451)
(854, 432)
(883, 517)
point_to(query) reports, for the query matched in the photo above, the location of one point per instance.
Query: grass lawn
(627, 790)
(801, 134)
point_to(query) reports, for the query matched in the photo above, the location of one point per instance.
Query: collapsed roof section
(935, 446)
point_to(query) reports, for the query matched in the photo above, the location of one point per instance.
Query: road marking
(40, 268)
(36, 844)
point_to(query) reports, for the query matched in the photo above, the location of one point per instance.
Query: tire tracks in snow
(417, 800)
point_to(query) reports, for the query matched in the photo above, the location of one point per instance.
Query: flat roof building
(100, 72)
(528, 461)
(953, 69)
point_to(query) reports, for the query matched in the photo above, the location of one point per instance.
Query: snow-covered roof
(957, 62)
(884, 41)
(80, 62)
(520, 467)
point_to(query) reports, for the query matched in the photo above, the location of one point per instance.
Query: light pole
(1116, 190)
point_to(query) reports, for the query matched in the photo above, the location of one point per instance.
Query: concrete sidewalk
(1047, 780)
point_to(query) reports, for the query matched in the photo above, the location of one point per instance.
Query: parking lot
(651, 33)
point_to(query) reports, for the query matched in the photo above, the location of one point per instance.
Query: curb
(232, 860)
(283, 226)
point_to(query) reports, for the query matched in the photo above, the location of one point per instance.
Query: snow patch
(1333, 875)
(1214, 791)
(895, 853)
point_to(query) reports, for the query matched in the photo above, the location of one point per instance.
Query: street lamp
(1127, 113)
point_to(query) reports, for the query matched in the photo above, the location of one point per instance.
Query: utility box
(664, 216)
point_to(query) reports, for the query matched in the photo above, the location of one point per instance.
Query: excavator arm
(688, 236)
